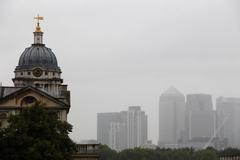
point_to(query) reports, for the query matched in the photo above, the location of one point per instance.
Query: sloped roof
(172, 91)
(23, 89)
(4, 91)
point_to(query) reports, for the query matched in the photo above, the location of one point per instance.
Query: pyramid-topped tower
(172, 91)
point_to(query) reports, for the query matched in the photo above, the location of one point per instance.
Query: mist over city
(171, 67)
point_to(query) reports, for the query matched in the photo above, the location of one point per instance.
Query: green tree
(36, 134)
(107, 153)
(207, 154)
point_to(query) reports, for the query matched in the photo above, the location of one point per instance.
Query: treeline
(165, 154)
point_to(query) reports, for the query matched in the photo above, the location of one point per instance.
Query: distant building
(136, 127)
(149, 145)
(197, 143)
(171, 118)
(126, 129)
(200, 118)
(117, 135)
(228, 118)
(104, 121)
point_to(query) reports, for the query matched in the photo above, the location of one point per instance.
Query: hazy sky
(116, 53)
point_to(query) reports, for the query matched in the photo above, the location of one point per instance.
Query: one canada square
(171, 118)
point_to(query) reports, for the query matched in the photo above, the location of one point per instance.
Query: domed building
(37, 78)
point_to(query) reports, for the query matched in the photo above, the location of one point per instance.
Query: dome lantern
(38, 34)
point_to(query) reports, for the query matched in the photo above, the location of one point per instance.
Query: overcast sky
(117, 53)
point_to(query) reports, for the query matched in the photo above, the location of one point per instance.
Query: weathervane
(38, 18)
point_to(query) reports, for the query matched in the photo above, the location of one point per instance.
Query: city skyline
(129, 53)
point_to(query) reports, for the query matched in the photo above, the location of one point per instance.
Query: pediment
(25, 96)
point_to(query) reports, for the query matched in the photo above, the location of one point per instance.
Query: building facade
(105, 126)
(200, 119)
(228, 111)
(37, 78)
(121, 130)
(171, 118)
(136, 127)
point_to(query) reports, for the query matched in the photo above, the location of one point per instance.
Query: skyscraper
(228, 111)
(136, 127)
(105, 126)
(126, 129)
(171, 118)
(199, 116)
(116, 135)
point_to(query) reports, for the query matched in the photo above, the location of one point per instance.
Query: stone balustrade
(86, 152)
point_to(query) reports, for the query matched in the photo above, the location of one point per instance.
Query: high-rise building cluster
(184, 121)
(192, 121)
(121, 130)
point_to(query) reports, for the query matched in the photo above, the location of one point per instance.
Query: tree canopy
(165, 154)
(36, 133)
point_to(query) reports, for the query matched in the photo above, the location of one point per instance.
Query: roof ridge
(172, 91)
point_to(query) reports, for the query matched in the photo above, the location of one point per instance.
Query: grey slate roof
(4, 91)
(38, 56)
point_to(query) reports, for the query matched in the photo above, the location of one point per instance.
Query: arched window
(29, 100)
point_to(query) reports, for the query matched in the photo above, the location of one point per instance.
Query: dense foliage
(165, 154)
(36, 134)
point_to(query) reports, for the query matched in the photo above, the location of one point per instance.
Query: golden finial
(38, 28)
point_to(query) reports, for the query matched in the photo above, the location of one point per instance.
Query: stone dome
(38, 56)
